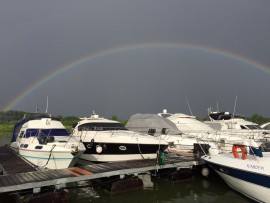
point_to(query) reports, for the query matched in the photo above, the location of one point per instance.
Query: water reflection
(5, 138)
(156, 190)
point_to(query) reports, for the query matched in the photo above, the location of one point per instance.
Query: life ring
(242, 148)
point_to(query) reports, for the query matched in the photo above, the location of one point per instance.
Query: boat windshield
(47, 132)
(101, 127)
(253, 127)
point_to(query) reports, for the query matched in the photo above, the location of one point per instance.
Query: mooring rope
(140, 149)
(50, 155)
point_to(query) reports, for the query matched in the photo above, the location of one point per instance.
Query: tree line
(9, 118)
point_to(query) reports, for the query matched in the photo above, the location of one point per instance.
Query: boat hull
(251, 183)
(111, 152)
(56, 158)
(253, 191)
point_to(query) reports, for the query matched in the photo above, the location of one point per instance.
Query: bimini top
(145, 122)
(42, 123)
(224, 116)
(266, 126)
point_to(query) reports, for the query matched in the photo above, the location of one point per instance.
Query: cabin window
(222, 142)
(100, 127)
(38, 147)
(46, 132)
(254, 127)
(243, 127)
(230, 125)
(163, 131)
(25, 146)
(21, 134)
(225, 117)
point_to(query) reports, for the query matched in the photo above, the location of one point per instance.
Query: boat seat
(255, 151)
(151, 131)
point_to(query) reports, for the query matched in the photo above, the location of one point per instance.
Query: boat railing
(29, 136)
(213, 144)
(71, 135)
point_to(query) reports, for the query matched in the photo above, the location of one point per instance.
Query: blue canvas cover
(33, 132)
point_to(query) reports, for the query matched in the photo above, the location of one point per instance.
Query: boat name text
(256, 167)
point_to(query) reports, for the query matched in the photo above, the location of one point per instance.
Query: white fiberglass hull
(111, 152)
(112, 146)
(251, 190)
(248, 174)
(50, 157)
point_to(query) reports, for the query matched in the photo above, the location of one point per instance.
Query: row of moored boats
(234, 147)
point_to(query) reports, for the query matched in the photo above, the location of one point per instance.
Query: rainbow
(74, 64)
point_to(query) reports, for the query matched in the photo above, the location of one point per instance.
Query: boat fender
(98, 149)
(205, 172)
(235, 152)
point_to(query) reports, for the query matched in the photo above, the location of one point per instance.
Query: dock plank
(2, 184)
(10, 180)
(43, 175)
(63, 173)
(5, 180)
(36, 176)
(9, 159)
(51, 174)
(20, 178)
(28, 178)
(16, 180)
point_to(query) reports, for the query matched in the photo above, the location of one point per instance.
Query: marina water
(156, 190)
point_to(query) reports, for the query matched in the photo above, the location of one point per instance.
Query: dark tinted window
(243, 127)
(253, 127)
(47, 132)
(100, 127)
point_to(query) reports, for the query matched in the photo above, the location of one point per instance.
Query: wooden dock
(33, 179)
(12, 163)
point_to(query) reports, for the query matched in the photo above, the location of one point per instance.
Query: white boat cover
(144, 122)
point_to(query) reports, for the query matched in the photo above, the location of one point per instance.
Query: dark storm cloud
(40, 37)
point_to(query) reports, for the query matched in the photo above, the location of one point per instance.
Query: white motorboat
(45, 143)
(163, 129)
(186, 123)
(226, 121)
(107, 141)
(190, 126)
(246, 169)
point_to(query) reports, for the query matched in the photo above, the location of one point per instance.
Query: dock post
(59, 186)
(36, 190)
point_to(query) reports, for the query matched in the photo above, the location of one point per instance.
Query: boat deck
(29, 178)
(12, 163)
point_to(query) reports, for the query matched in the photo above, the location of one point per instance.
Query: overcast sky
(208, 51)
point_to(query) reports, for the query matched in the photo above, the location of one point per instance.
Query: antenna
(217, 107)
(36, 108)
(234, 105)
(47, 105)
(188, 106)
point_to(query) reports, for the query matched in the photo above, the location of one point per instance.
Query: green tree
(114, 117)
(259, 119)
